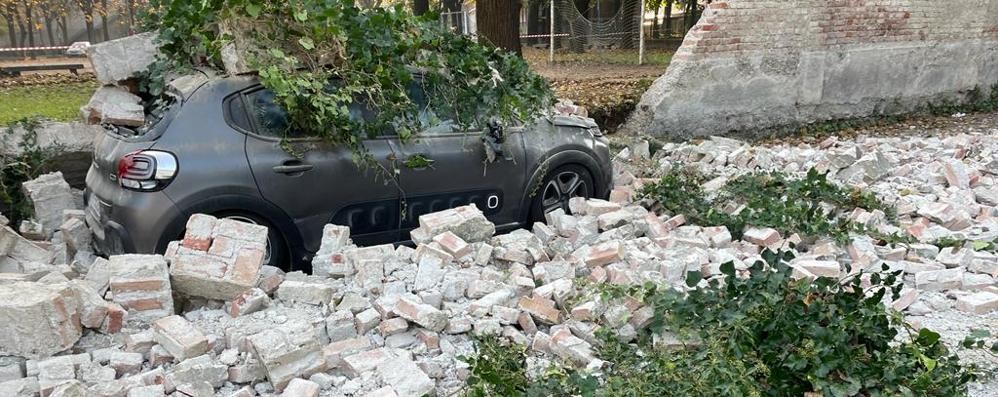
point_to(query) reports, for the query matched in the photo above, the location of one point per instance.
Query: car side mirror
(494, 139)
(496, 132)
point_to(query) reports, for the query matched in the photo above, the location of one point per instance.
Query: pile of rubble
(208, 318)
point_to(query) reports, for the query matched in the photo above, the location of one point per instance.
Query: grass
(59, 102)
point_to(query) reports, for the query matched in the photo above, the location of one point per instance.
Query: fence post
(641, 34)
(551, 34)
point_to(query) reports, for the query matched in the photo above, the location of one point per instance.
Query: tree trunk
(499, 23)
(131, 17)
(11, 30)
(654, 22)
(668, 18)
(534, 25)
(64, 28)
(420, 7)
(30, 21)
(49, 30)
(22, 28)
(87, 7)
(103, 20)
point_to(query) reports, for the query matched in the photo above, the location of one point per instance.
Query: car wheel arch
(232, 204)
(552, 162)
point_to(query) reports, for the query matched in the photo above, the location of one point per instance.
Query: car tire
(277, 248)
(560, 185)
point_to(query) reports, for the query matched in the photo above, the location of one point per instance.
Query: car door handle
(292, 167)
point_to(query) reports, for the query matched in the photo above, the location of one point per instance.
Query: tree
(499, 23)
(8, 10)
(420, 7)
(87, 7)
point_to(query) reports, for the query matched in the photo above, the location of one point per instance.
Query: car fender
(235, 202)
(571, 156)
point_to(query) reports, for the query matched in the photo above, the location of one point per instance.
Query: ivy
(27, 162)
(321, 56)
(811, 206)
(767, 334)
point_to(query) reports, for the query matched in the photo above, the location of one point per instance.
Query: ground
(608, 83)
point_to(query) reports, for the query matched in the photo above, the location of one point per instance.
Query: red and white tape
(21, 49)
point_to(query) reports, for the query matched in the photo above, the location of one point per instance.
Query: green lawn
(59, 102)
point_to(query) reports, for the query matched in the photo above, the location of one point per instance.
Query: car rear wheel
(277, 251)
(559, 186)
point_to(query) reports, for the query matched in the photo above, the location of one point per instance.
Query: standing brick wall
(753, 64)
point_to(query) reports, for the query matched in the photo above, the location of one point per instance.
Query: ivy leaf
(253, 10)
(927, 337)
(693, 278)
(929, 363)
(301, 15)
(306, 43)
(728, 268)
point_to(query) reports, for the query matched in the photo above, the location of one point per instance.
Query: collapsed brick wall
(751, 64)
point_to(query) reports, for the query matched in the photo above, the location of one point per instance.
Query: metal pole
(551, 33)
(641, 34)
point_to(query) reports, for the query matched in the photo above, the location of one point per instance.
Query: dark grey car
(218, 150)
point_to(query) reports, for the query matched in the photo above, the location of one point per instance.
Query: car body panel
(223, 167)
(460, 174)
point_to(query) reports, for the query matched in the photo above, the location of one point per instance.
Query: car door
(322, 184)
(458, 173)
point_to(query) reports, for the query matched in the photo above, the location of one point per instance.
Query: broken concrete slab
(121, 59)
(50, 195)
(37, 320)
(115, 106)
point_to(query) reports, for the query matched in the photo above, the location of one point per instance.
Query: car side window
(432, 121)
(271, 119)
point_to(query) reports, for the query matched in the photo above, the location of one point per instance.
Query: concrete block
(123, 58)
(141, 285)
(37, 320)
(229, 266)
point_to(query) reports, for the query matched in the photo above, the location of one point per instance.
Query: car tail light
(146, 170)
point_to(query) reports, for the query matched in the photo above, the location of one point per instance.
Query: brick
(820, 268)
(287, 353)
(393, 326)
(605, 253)
(467, 222)
(270, 278)
(179, 337)
(978, 303)
(570, 348)
(356, 364)
(936, 280)
(542, 309)
(763, 237)
(333, 353)
(406, 378)
(422, 314)
(311, 292)
(453, 244)
(301, 388)
(956, 173)
(249, 301)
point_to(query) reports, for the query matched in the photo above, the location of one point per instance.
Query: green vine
(325, 58)
(25, 163)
